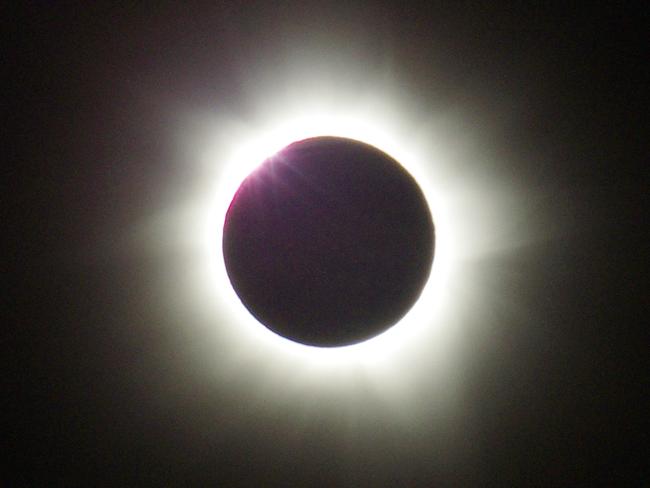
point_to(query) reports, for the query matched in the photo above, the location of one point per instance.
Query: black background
(557, 399)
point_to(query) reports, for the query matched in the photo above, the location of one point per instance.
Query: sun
(252, 151)
(471, 213)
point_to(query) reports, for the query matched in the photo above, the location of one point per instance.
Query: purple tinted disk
(329, 242)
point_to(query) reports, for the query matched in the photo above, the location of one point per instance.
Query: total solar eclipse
(329, 242)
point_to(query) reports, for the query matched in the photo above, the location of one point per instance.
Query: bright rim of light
(250, 153)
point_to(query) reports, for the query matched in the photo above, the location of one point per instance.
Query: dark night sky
(100, 381)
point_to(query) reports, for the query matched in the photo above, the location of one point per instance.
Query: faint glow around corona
(471, 214)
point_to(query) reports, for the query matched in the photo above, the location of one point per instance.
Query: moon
(329, 242)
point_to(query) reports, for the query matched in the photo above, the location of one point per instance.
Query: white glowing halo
(478, 212)
(251, 151)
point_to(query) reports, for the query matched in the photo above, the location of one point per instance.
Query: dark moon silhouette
(329, 242)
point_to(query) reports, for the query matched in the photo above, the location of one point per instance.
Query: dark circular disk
(329, 242)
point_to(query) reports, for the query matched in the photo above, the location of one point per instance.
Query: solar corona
(321, 244)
